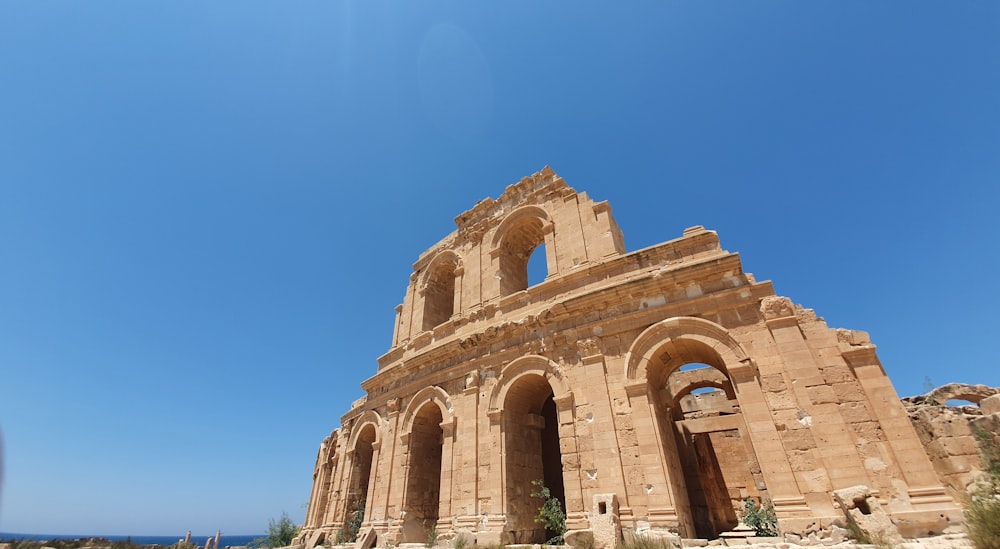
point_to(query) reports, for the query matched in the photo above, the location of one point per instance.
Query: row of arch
(514, 243)
(527, 401)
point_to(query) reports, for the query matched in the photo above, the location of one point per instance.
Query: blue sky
(208, 211)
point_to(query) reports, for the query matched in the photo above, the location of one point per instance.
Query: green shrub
(352, 526)
(550, 514)
(760, 518)
(982, 508)
(432, 536)
(279, 533)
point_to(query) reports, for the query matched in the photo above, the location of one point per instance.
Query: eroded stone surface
(666, 377)
(950, 433)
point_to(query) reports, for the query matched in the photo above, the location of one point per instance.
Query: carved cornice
(506, 329)
(525, 191)
(564, 402)
(778, 311)
(589, 348)
(495, 415)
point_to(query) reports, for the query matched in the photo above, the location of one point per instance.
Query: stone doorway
(699, 410)
(423, 480)
(531, 439)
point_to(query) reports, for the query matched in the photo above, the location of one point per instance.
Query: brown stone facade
(652, 390)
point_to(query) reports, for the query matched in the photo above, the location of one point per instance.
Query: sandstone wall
(650, 391)
(951, 433)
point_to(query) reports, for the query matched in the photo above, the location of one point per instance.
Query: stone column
(607, 446)
(826, 433)
(573, 491)
(651, 483)
(493, 504)
(551, 259)
(389, 499)
(766, 443)
(445, 490)
(465, 491)
(924, 489)
(457, 306)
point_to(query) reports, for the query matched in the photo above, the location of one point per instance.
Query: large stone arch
(730, 354)
(427, 434)
(529, 364)
(531, 411)
(698, 452)
(513, 242)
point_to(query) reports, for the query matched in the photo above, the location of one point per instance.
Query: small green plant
(982, 508)
(550, 514)
(352, 526)
(460, 541)
(432, 536)
(760, 517)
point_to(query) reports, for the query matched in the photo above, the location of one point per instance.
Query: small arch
(437, 285)
(432, 394)
(696, 388)
(513, 243)
(370, 417)
(962, 391)
(527, 365)
(696, 340)
(684, 381)
(363, 442)
(516, 217)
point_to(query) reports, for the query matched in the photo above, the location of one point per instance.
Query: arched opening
(516, 247)
(323, 496)
(423, 478)
(531, 440)
(439, 294)
(538, 266)
(361, 472)
(697, 407)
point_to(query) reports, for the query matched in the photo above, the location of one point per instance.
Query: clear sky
(208, 210)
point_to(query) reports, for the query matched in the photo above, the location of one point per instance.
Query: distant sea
(224, 540)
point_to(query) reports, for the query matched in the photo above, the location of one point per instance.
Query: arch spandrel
(432, 394)
(531, 365)
(680, 330)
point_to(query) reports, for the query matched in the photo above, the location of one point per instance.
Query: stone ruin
(651, 391)
(951, 433)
